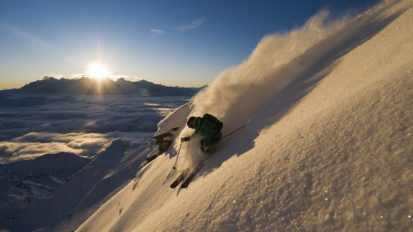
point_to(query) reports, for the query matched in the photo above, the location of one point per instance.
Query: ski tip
(173, 185)
(188, 181)
(177, 181)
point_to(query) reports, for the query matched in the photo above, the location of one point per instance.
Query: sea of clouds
(31, 126)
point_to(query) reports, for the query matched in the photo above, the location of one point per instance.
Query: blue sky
(186, 43)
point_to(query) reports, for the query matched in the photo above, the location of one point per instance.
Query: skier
(209, 127)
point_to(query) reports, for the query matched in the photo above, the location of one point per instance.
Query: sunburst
(98, 71)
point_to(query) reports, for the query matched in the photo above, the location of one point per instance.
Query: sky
(183, 42)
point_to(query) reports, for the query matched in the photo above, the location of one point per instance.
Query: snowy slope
(94, 184)
(64, 188)
(28, 184)
(328, 145)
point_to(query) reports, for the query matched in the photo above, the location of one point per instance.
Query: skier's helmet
(191, 122)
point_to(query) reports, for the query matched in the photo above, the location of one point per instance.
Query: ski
(186, 178)
(178, 180)
(191, 176)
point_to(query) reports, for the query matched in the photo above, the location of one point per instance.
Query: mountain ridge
(106, 86)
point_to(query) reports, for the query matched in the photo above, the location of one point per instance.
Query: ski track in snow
(327, 147)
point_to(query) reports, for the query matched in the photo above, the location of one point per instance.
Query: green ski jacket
(208, 130)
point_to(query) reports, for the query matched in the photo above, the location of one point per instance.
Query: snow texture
(327, 147)
(328, 144)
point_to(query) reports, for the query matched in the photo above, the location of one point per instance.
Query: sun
(97, 71)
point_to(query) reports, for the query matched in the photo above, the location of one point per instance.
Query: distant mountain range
(85, 85)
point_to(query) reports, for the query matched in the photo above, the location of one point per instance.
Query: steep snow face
(329, 149)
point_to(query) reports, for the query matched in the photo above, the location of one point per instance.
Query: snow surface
(327, 147)
(42, 194)
(177, 117)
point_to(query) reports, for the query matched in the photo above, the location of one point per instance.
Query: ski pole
(179, 151)
(239, 128)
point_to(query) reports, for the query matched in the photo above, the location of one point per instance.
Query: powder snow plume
(238, 92)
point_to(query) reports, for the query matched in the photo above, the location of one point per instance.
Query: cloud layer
(34, 125)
